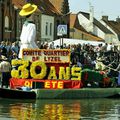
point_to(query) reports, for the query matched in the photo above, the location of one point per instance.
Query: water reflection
(84, 109)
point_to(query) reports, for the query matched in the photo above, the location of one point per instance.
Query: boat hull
(17, 94)
(78, 93)
(84, 93)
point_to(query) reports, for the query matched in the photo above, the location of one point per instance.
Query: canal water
(85, 109)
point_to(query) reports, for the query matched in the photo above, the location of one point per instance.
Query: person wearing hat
(99, 63)
(5, 69)
(28, 34)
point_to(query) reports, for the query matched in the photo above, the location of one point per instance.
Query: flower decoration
(43, 70)
(63, 74)
(22, 71)
(52, 74)
(76, 73)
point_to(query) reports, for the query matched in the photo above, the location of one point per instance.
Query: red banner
(45, 84)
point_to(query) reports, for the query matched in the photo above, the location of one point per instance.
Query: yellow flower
(22, 71)
(63, 74)
(43, 70)
(76, 73)
(52, 74)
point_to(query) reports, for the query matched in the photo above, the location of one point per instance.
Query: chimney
(118, 19)
(91, 18)
(105, 18)
(91, 13)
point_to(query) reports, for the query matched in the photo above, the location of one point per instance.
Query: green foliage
(65, 7)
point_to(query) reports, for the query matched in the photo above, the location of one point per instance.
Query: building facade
(64, 17)
(77, 31)
(114, 27)
(57, 4)
(47, 28)
(7, 21)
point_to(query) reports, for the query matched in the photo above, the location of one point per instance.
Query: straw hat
(3, 57)
(28, 9)
(100, 59)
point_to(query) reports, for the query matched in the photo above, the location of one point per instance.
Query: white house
(114, 27)
(93, 26)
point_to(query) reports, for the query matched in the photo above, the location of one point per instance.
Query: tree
(65, 7)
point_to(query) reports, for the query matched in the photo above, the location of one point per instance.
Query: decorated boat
(49, 75)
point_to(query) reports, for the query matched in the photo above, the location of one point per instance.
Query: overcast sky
(101, 7)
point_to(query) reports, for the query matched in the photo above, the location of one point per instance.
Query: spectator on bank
(52, 46)
(99, 64)
(2, 44)
(5, 69)
(104, 48)
(15, 48)
(4, 51)
(109, 47)
(8, 46)
(46, 45)
(64, 46)
(57, 47)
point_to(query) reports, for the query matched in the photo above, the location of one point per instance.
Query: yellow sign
(47, 56)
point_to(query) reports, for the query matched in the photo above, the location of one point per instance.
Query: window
(50, 29)
(6, 22)
(46, 28)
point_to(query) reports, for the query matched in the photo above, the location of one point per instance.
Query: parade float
(47, 74)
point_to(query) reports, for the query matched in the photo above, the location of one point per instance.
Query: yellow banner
(47, 56)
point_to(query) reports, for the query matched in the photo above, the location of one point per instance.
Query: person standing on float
(28, 34)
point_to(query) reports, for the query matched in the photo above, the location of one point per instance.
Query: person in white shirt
(28, 34)
(5, 69)
(109, 47)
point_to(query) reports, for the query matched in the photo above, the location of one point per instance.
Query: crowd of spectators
(9, 49)
(97, 57)
(87, 54)
(102, 57)
(82, 55)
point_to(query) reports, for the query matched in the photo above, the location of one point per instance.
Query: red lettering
(49, 59)
(54, 84)
(35, 58)
(45, 59)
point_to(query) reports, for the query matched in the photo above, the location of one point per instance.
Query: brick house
(44, 19)
(11, 23)
(7, 21)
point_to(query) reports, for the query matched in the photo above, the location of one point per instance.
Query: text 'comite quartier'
(45, 52)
